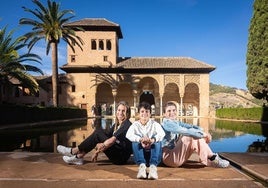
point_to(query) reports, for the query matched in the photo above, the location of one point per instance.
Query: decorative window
(101, 45)
(72, 58)
(105, 58)
(93, 44)
(108, 45)
(73, 88)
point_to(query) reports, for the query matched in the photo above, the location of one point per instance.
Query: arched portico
(147, 89)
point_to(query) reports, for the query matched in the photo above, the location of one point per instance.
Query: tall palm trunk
(49, 25)
(54, 58)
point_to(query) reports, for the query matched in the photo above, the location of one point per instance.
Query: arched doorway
(147, 96)
(148, 90)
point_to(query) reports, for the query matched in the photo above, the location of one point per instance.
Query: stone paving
(40, 170)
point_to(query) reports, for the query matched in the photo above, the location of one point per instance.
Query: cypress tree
(257, 52)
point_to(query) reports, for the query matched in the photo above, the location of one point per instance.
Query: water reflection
(232, 136)
(228, 136)
(38, 137)
(235, 144)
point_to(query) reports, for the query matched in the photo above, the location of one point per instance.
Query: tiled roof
(162, 62)
(146, 65)
(93, 22)
(97, 24)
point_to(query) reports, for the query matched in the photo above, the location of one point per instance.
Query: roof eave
(90, 69)
(117, 29)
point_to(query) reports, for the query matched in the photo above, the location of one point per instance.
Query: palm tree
(49, 25)
(11, 62)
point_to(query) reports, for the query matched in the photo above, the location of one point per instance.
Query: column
(181, 104)
(134, 101)
(114, 92)
(182, 90)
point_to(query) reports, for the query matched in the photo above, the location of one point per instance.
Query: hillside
(224, 96)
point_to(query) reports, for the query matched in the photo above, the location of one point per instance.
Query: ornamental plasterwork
(191, 79)
(172, 79)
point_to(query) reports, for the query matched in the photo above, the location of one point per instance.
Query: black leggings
(116, 153)
(91, 141)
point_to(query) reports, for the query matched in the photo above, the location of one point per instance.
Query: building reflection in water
(227, 136)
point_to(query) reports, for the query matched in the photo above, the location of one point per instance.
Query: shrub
(257, 113)
(14, 114)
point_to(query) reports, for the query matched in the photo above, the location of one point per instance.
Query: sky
(211, 31)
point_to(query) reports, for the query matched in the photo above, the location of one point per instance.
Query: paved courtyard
(40, 170)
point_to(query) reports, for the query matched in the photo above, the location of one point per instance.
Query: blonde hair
(124, 103)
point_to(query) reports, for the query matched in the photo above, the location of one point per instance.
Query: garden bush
(14, 114)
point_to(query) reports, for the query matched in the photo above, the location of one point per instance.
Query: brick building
(99, 77)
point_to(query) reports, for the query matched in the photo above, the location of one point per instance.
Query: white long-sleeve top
(152, 129)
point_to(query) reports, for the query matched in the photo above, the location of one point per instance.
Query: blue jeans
(148, 157)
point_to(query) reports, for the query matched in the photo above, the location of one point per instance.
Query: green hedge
(243, 113)
(14, 114)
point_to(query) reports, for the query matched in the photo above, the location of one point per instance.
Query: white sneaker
(142, 171)
(66, 151)
(152, 172)
(219, 162)
(73, 160)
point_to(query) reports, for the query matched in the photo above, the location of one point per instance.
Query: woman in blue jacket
(182, 140)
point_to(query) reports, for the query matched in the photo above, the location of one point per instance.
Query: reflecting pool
(239, 143)
(233, 136)
(227, 136)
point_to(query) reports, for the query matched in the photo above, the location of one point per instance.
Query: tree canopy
(257, 52)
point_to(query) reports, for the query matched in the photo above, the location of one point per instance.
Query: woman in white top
(146, 136)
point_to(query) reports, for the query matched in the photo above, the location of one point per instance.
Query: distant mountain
(227, 97)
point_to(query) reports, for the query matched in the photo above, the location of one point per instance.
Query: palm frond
(11, 61)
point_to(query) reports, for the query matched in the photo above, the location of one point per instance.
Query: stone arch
(104, 96)
(124, 92)
(191, 99)
(171, 93)
(148, 90)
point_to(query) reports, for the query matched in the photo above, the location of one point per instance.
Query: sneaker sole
(152, 178)
(142, 177)
(72, 163)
